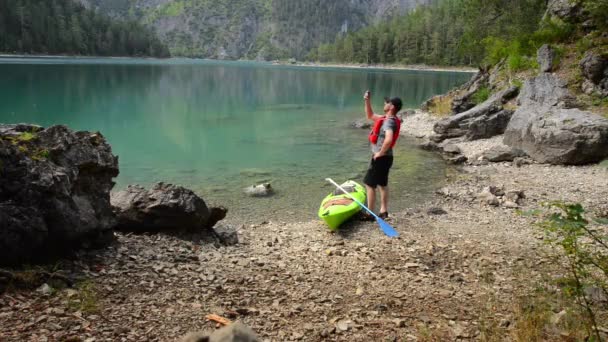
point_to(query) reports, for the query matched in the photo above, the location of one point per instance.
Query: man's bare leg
(383, 199)
(371, 197)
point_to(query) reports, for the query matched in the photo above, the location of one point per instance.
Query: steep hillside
(253, 29)
(66, 27)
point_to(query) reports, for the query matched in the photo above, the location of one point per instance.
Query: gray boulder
(54, 192)
(566, 10)
(594, 66)
(559, 136)
(503, 153)
(483, 121)
(455, 159)
(545, 90)
(165, 207)
(550, 133)
(595, 70)
(451, 149)
(488, 196)
(546, 57)
(489, 125)
(428, 145)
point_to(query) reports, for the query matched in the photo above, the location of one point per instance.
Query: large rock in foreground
(165, 207)
(549, 132)
(54, 191)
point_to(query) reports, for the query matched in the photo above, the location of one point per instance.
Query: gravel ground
(457, 264)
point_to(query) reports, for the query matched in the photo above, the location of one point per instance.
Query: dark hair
(395, 101)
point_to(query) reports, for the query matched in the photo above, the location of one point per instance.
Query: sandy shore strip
(415, 67)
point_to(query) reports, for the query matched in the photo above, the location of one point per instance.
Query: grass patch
(41, 154)
(173, 9)
(542, 314)
(441, 105)
(532, 315)
(518, 83)
(481, 95)
(87, 299)
(26, 136)
(22, 149)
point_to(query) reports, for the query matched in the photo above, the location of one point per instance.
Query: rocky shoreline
(410, 67)
(469, 264)
(457, 268)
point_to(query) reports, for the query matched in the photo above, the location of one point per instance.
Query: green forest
(450, 32)
(66, 27)
(458, 33)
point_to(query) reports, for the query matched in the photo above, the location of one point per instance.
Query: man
(382, 138)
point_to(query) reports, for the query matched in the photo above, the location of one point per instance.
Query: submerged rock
(54, 191)
(260, 190)
(362, 124)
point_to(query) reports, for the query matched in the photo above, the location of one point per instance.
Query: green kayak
(338, 207)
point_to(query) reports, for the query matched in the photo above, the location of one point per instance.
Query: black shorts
(377, 173)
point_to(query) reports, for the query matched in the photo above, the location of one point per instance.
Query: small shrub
(552, 31)
(599, 11)
(560, 52)
(585, 253)
(481, 95)
(519, 62)
(584, 44)
(518, 83)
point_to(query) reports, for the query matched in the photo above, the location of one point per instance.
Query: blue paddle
(386, 228)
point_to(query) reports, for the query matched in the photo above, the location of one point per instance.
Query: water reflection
(201, 124)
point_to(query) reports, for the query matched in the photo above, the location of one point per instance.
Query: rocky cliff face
(54, 191)
(558, 117)
(253, 29)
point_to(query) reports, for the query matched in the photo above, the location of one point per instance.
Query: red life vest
(373, 135)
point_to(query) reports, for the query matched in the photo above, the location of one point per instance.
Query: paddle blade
(386, 228)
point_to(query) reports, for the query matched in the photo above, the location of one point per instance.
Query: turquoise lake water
(217, 127)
